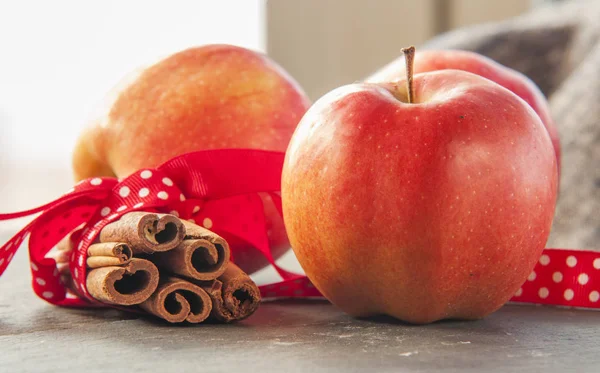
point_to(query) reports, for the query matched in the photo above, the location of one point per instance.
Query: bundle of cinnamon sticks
(169, 267)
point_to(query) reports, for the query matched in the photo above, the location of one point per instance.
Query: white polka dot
(543, 293)
(597, 263)
(181, 197)
(531, 276)
(146, 174)
(569, 294)
(583, 278)
(594, 296)
(76, 272)
(10, 257)
(96, 181)
(122, 208)
(196, 209)
(138, 205)
(571, 261)
(519, 292)
(544, 260)
(1, 261)
(167, 181)
(174, 212)
(557, 277)
(40, 281)
(144, 192)
(124, 191)
(34, 267)
(113, 216)
(80, 262)
(207, 223)
(105, 211)
(48, 294)
(162, 195)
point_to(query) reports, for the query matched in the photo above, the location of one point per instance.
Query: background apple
(522, 86)
(215, 96)
(424, 211)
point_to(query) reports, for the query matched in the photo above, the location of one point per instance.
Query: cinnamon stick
(234, 295)
(202, 255)
(217, 289)
(106, 254)
(145, 232)
(126, 285)
(177, 300)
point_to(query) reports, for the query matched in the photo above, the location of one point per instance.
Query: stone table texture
(286, 336)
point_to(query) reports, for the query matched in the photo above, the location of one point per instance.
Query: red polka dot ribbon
(219, 189)
(563, 277)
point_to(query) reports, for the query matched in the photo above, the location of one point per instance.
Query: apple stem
(409, 56)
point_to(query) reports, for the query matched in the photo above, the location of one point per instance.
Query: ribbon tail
(45, 231)
(300, 287)
(248, 225)
(8, 250)
(563, 277)
(264, 248)
(277, 202)
(64, 198)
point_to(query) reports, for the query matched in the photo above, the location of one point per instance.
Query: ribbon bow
(215, 188)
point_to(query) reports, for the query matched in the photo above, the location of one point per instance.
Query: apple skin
(209, 97)
(521, 85)
(433, 210)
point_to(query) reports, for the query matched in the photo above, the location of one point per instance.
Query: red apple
(522, 86)
(423, 211)
(215, 96)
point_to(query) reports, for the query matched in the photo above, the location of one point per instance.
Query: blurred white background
(58, 59)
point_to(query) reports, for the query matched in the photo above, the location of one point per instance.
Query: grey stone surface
(310, 336)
